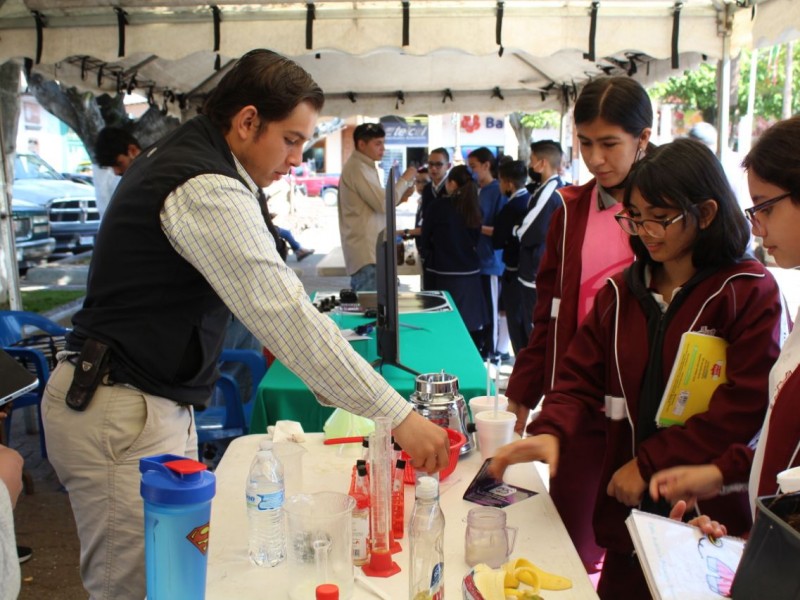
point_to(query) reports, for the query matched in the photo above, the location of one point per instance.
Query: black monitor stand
(387, 324)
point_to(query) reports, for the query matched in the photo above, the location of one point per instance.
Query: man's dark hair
(775, 157)
(366, 132)
(550, 151)
(442, 151)
(272, 83)
(111, 142)
(514, 171)
(683, 174)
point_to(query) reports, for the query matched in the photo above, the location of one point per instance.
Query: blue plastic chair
(257, 365)
(232, 419)
(16, 325)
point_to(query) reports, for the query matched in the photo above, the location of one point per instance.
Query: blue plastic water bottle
(177, 493)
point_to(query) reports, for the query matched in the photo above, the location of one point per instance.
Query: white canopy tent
(455, 55)
(384, 57)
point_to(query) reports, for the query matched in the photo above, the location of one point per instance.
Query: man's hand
(539, 447)
(627, 484)
(409, 174)
(522, 413)
(426, 443)
(689, 483)
(11, 472)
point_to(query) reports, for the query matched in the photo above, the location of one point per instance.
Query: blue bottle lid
(175, 480)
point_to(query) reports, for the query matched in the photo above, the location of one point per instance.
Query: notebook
(15, 380)
(698, 370)
(679, 562)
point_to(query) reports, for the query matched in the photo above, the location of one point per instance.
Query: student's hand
(11, 472)
(689, 483)
(543, 447)
(627, 485)
(703, 522)
(426, 442)
(522, 413)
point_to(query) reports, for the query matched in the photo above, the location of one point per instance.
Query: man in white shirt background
(362, 204)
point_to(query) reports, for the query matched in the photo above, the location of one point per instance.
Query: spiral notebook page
(679, 562)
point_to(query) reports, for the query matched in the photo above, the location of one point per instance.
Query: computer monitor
(388, 321)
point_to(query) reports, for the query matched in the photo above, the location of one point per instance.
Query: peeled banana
(524, 571)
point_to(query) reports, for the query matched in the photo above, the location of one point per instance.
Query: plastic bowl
(457, 440)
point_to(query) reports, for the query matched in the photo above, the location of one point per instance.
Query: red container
(457, 439)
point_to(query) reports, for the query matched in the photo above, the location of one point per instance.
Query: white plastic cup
(478, 404)
(495, 429)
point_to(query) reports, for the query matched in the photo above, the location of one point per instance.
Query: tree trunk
(786, 109)
(523, 134)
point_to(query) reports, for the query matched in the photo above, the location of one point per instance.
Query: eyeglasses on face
(435, 163)
(753, 210)
(653, 227)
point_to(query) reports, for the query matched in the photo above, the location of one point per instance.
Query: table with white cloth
(542, 537)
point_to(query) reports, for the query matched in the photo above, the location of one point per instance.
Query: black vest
(163, 321)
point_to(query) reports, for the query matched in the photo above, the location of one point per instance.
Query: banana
(522, 570)
(522, 594)
(489, 582)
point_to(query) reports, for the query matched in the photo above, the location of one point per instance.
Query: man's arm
(215, 223)
(368, 187)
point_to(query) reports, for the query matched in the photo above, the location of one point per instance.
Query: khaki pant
(96, 456)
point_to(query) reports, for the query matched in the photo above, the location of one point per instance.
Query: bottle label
(437, 583)
(265, 501)
(360, 537)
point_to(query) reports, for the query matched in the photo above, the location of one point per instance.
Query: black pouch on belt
(89, 371)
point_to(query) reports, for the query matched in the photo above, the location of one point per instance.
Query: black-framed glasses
(753, 210)
(653, 227)
(435, 163)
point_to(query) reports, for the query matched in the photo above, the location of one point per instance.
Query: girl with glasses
(613, 120)
(692, 273)
(773, 174)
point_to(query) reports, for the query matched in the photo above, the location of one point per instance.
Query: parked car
(324, 185)
(31, 233)
(71, 207)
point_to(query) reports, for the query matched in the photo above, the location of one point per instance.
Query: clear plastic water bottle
(426, 534)
(265, 496)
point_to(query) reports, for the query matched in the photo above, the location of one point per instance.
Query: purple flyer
(488, 491)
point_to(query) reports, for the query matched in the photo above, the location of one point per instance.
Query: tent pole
(724, 90)
(7, 247)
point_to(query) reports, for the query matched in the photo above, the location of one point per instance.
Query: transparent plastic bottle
(426, 534)
(265, 496)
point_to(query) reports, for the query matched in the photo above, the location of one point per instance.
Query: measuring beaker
(319, 543)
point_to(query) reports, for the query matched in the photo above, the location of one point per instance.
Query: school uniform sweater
(622, 355)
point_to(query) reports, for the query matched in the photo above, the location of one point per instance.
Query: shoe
(24, 554)
(303, 253)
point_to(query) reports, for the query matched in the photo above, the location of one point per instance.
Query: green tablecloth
(443, 343)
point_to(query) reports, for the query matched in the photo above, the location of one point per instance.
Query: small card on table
(488, 491)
